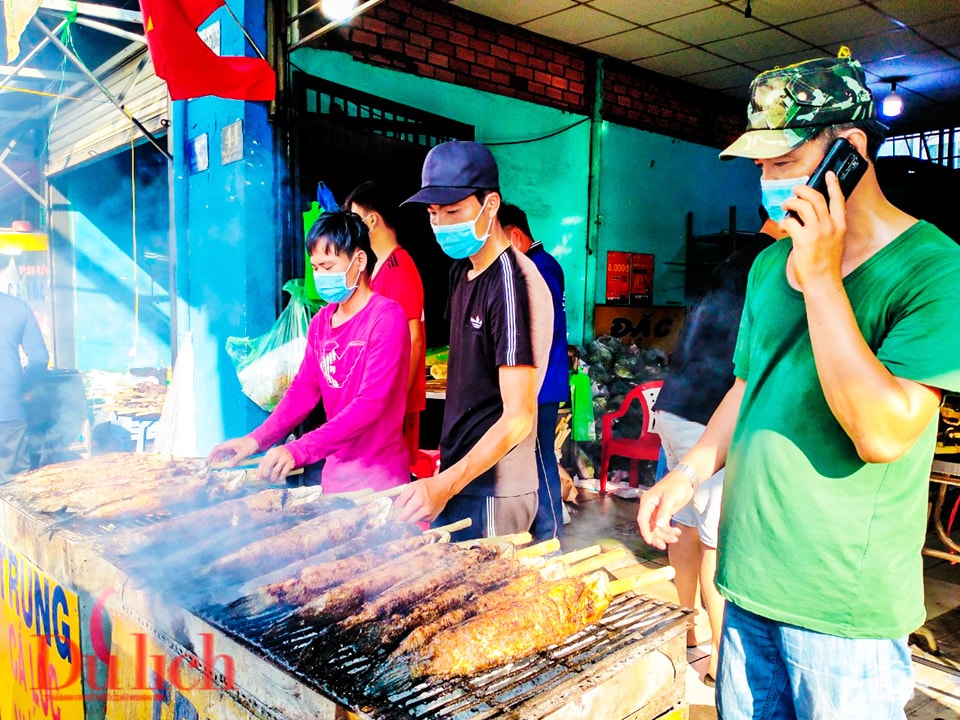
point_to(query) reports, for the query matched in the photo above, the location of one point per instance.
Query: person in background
(501, 321)
(358, 349)
(556, 385)
(18, 331)
(846, 342)
(698, 376)
(395, 276)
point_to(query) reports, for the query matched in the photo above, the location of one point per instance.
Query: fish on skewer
(339, 601)
(330, 568)
(101, 488)
(238, 513)
(549, 614)
(367, 540)
(102, 472)
(509, 592)
(385, 634)
(190, 490)
(530, 571)
(456, 564)
(307, 538)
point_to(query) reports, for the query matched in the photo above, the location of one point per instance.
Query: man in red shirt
(395, 276)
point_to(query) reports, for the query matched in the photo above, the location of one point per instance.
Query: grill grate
(344, 673)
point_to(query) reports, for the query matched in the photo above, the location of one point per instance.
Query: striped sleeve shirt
(502, 317)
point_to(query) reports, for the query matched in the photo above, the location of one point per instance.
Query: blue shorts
(771, 670)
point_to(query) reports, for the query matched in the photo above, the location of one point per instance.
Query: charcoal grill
(635, 654)
(633, 627)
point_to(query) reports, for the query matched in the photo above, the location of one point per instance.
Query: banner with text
(40, 660)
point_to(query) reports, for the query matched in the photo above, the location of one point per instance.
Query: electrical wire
(66, 37)
(542, 137)
(504, 142)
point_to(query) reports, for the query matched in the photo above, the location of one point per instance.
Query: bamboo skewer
(225, 464)
(252, 472)
(453, 527)
(596, 562)
(575, 556)
(516, 539)
(389, 492)
(652, 577)
(539, 550)
(352, 494)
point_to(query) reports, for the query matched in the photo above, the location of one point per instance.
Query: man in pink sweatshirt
(357, 360)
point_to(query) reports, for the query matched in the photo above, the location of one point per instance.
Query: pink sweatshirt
(359, 371)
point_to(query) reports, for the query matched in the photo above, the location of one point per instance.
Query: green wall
(547, 178)
(648, 182)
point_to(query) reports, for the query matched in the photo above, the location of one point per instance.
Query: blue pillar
(228, 238)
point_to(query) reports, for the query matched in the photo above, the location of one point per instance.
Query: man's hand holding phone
(816, 217)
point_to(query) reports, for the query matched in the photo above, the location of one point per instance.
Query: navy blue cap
(455, 170)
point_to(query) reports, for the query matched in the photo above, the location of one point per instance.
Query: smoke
(206, 555)
(121, 259)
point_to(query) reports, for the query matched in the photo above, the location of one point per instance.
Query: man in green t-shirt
(846, 342)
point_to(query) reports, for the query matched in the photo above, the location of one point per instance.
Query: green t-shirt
(809, 533)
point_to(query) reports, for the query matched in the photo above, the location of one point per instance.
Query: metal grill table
(637, 636)
(630, 665)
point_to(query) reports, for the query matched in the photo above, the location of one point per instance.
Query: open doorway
(343, 137)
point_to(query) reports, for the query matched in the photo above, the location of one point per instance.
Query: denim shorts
(771, 670)
(677, 436)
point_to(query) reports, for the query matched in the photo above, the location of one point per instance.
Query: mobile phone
(846, 162)
(848, 165)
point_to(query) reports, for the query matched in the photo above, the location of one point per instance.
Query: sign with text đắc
(656, 327)
(40, 660)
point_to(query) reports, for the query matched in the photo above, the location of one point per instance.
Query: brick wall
(433, 39)
(643, 99)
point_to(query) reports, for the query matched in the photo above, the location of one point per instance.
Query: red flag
(192, 69)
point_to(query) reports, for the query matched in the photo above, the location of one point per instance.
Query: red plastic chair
(645, 447)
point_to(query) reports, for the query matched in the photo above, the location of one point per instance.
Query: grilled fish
(338, 602)
(253, 510)
(384, 635)
(308, 537)
(548, 615)
(456, 564)
(509, 592)
(330, 568)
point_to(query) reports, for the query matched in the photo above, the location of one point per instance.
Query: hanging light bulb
(892, 103)
(337, 9)
(748, 11)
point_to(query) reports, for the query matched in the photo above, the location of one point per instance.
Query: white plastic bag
(266, 365)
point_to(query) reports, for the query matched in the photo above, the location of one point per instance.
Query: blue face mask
(460, 240)
(332, 286)
(774, 193)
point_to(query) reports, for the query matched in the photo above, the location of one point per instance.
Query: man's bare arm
(424, 499)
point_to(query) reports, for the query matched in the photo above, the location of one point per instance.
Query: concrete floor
(611, 522)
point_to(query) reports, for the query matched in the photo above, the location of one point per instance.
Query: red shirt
(398, 279)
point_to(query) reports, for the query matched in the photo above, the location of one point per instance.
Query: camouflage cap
(789, 105)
